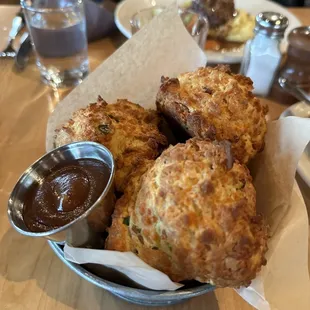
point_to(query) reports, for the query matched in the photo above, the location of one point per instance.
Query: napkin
(125, 262)
(164, 47)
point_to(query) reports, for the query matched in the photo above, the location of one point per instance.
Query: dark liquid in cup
(55, 43)
(60, 42)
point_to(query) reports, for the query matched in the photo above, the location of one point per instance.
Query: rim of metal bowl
(133, 292)
(37, 163)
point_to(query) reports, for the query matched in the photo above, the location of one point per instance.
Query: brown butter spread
(66, 193)
(296, 65)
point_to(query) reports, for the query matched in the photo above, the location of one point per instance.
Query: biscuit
(195, 216)
(129, 131)
(213, 103)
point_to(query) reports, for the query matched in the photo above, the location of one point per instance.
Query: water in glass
(60, 41)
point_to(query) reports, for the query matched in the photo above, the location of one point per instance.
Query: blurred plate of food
(301, 109)
(231, 23)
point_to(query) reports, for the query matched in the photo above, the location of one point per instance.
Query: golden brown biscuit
(129, 131)
(195, 210)
(100, 218)
(120, 237)
(213, 103)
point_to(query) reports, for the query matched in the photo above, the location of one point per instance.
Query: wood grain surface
(31, 276)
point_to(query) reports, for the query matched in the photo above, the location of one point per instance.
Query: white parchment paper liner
(164, 47)
(125, 262)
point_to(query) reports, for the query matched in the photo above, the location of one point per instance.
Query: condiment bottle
(262, 55)
(296, 67)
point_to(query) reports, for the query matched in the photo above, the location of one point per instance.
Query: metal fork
(17, 25)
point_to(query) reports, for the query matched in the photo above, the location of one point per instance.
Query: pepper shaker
(262, 55)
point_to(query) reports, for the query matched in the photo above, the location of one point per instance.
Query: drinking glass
(58, 32)
(196, 24)
(143, 17)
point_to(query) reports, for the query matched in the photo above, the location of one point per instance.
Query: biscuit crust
(125, 237)
(213, 103)
(129, 131)
(195, 216)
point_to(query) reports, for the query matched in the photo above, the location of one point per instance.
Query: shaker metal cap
(271, 24)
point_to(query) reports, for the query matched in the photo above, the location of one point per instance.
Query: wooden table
(31, 276)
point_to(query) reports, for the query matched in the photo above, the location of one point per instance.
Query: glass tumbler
(58, 32)
(143, 17)
(196, 24)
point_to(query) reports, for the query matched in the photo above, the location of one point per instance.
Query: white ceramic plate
(302, 110)
(127, 8)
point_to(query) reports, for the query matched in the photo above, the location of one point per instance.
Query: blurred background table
(31, 276)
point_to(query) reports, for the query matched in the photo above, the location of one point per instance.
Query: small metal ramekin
(80, 231)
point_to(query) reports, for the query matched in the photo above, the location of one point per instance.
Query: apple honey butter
(63, 195)
(295, 67)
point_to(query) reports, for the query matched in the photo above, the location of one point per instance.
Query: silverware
(79, 232)
(17, 24)
(22, 55)
(295, 90)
